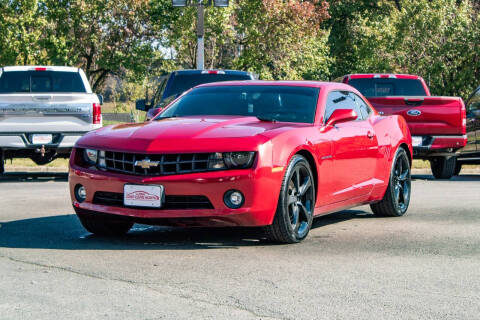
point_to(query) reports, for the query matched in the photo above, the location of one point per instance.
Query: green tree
(22, 28)
(103, 37)
(282, 39)
(358, 29)
(438, 39)
(176, 29)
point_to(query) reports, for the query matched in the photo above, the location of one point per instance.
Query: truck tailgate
(46, 112)
(425, 115)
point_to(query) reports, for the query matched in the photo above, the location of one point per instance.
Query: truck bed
(426, 115)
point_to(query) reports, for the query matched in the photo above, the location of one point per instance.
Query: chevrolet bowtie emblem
(146, 163)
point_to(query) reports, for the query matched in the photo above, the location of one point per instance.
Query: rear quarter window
(41, 82)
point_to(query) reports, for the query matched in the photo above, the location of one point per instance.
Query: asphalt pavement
(425, 265)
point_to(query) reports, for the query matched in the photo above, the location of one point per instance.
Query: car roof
(44, 68)
(381, 75)
(289, 83)
(197, 71)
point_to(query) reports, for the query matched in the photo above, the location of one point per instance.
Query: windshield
(381, 87)
(270, 103)
(183, 82)
(41, 81)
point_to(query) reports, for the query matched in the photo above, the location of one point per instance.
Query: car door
(355, 149)
(473, 123)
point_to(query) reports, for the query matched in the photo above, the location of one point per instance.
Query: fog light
(80, 193)
(233, 199)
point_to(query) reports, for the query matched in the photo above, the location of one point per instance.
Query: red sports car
(249, 153)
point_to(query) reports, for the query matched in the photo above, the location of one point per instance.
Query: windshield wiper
(261, 118)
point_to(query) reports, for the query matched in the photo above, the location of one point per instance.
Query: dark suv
(470, 154)
(177, 82)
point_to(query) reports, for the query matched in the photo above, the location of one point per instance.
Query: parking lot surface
(425, 265)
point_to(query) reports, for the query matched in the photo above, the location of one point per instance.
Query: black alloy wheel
(397, 196)
(296, 203)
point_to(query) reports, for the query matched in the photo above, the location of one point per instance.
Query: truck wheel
(458, 168)
(294, 214)
(443, 167)
(2, 163)
(397, 197)
(103, 226)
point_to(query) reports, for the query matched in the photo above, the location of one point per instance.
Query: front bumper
(437, 145)
(260, 187)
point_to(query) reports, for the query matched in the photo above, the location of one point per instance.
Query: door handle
(370, 135)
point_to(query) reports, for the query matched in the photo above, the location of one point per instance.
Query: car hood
(187, 134)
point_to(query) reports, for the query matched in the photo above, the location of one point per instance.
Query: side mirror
(342, 115)
(100, 98)
(142, 105)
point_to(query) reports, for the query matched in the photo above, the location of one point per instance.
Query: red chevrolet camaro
(248, 153)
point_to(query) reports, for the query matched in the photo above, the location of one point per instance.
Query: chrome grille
(160, 164)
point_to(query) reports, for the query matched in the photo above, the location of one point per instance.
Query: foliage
(139, 40)
(21, 32)
(437, 39)
(281, 39)
(102, 37)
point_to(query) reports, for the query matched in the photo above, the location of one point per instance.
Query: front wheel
(104, 226)
(443, 167)
(296, 203)
(397, 197)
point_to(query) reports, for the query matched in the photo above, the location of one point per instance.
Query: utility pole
(200, 35)
(200, 4)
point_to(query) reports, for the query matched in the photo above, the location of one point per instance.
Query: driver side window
(340, 100)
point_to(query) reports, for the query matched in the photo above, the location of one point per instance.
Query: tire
(443, 167)
(458, 168)
(2, 165)
(104, 226)
(397, 196)
(294, 214)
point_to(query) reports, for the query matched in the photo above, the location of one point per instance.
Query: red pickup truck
(437, 124)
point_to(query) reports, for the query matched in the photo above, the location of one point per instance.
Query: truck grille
(115, 199)
(157, 164)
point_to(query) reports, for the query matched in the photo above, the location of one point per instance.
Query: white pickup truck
(43, 111)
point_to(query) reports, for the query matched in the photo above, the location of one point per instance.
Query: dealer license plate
(417, 141)
(42, 138)
(135, 195)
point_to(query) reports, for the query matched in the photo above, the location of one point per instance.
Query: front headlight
(231, 160)
(90, 156)
(238, 160)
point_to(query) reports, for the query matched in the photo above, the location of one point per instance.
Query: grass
(23, 162)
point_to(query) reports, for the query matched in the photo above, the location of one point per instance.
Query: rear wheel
(2, 163)
(104, 226)
(443, 167)
(397, 197)
(458, 168)
(296, 202)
